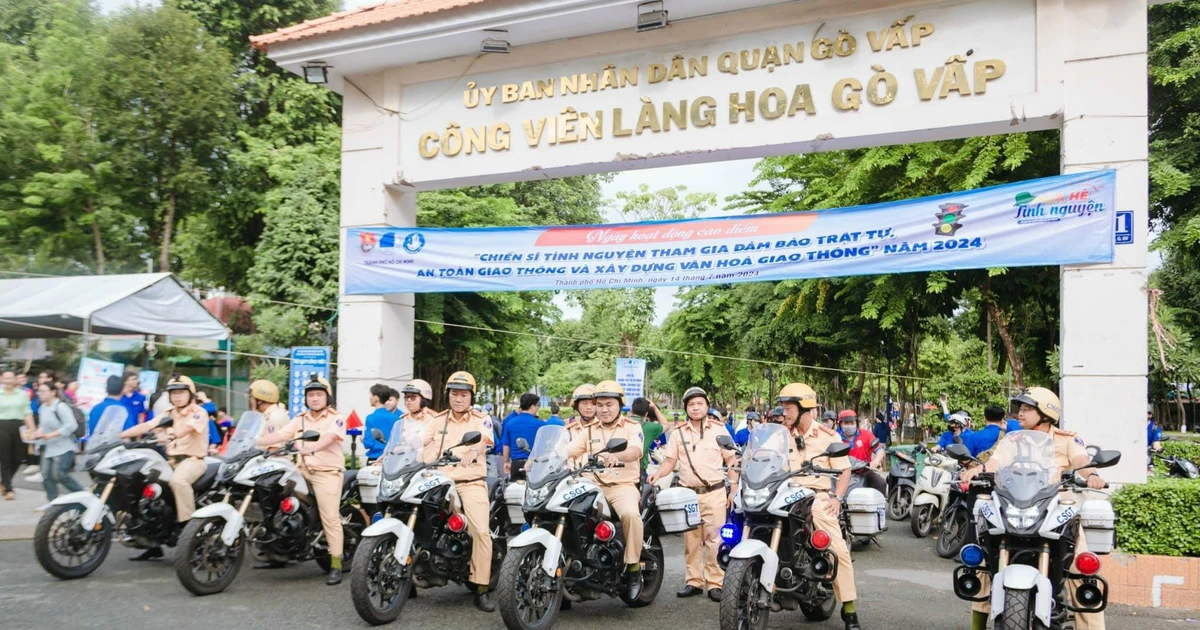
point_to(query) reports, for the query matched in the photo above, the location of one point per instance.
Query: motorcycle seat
(206, 480)
(349, 478)
(495, 492)
(649, 492)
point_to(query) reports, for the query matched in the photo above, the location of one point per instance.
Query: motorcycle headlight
(227, 471)
(1021, 518)
(753, 498)
(390, 487)
(534, 497)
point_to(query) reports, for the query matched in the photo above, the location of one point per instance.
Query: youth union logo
(947, 219)
(414, 242)
(367, 241)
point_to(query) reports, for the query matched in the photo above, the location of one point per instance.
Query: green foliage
(672, 202)
(1159, 517)
(1187, 449)
(561, 379)
(958, 367)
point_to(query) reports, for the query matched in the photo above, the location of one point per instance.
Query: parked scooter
(1178, 466)
(932, 495)
(902, 484)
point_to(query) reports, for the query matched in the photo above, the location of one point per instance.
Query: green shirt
(15, 406)
(650, 431)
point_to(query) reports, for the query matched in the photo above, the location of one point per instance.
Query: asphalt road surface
(904, 585)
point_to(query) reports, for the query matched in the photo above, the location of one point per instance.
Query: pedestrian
(15, 412)
(646, 412)
(554, 418)
(70, 392)
(32, 459)
(743, 435)
(133, 399)
(113, 388)
(56, 431)
(380, 418)
(524, 426)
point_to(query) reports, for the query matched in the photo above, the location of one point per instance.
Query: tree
(664, 204)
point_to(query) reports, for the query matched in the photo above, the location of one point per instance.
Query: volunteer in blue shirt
(133, 399)
(743, 435)
(985, 438)
(113, 388)
(554, 419)
(1154, 434)
(523, 425)
(957, 433)
(381, 418)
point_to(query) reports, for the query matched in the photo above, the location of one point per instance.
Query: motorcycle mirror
(378, 435)
(166, 422)
(837, 450)
(725, 442)
(960, 452)
(1104, 459)
(310, 436)
(523, 444)
(471, 438)
(1092, 451)
(616, 445)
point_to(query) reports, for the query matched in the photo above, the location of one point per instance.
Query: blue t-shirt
(383, 420)
(983, 439)
(136, 404)
(947, 438)
(742, 436)
(556, 421)
(98, 410)
(522, 425)
(1153, 433)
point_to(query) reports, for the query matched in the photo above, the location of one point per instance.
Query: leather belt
(179, 459)
(708, 489)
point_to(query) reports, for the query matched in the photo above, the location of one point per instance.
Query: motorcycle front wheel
(899, 503)
(204, 564)
(742, 596)
(379, 584)
(62, 546)
(653, 563)
(1018, 612)
(922, 520)
(528, 599)
(955, 527)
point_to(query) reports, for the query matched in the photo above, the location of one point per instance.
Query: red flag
(353, 422)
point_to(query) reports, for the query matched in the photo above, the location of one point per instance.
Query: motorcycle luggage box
(679, 509)
(514, 497)
(368, 483)
(868, 511)
(1099, 525)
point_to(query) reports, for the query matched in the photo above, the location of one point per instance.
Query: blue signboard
(306, 361)
(1124, 232)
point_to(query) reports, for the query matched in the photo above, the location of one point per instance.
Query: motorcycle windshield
(404, 447)
(766, 454)
(1025, 464)
(245, 434)
(108, 428)
(548, 457)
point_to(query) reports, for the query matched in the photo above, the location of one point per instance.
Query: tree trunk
(1010, 348)
(856, 395)
(164, 256)
(96, 240)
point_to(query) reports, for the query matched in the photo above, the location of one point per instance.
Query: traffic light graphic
(948, 218)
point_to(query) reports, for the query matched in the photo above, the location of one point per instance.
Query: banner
(147, 382)
(631, 375)
(93, 381)
(1059, 220)
(306, 361)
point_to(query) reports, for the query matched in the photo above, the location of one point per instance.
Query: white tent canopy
(138, 304)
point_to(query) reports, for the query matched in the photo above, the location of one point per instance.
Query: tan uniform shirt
(445, 430)
(275, 419)
(324, 422)
(816, 440)
(1067, 446)
(593, 437)
(190, 430)
(423, 417)
(698, 455)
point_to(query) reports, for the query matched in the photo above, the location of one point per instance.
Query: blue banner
(306, 361)
(1060, 220)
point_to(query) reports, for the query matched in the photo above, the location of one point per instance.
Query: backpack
(986, 455)
(80, 419)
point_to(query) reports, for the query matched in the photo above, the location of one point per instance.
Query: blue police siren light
(971, 555)
(730, 534)
(376, 517)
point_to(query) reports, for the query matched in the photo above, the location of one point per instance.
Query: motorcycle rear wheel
(528, 599)
(353, 525)
(376, 586)
(58, 534)
(203, 563)
(921, 522)
(652, 573)
(740, 594)
(822, 610)
(900, 503)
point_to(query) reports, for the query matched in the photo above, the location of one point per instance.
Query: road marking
(1159, 581)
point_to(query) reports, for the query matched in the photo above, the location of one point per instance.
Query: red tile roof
(390, 11)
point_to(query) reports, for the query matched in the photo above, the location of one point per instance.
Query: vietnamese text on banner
(1067, 219)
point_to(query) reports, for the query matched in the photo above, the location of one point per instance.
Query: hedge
(1186, 449)
(1159, 517)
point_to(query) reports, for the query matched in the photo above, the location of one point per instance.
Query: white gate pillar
(1104, 307)
(375, 332)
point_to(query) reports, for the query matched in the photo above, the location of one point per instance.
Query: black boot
(335, 577)
(483, 601)
(689, 591)
(633, 584)
(851, 620)
(152, 553)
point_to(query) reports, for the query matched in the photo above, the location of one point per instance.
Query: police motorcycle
(129, 498)
(422, 538)
(781, 561)
(901, 483)
(864, 509)
(1027, 526)
(574, 547)
(267, 507)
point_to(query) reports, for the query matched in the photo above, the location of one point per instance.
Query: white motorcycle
(932, 494)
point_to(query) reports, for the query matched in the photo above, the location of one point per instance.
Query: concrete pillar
(1104, 307)
(375, 332)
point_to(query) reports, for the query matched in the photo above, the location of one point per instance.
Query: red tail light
(1087, 563)
(820, 540)
(456, 523)
(152, 491)
(605, 531)
(289, 505)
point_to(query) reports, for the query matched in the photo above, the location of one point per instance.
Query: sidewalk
(17, 518)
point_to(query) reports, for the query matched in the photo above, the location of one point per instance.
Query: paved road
(903, 586)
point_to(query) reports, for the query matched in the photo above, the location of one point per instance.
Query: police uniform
(618, 483)
(186, 453)
(1067, 447)
(817, 439)
(423, 417)
(575, 428)
(698, 460)
(275, 419)
(323, 469)
(469, 475)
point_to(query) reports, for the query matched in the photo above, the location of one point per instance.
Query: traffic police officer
(1041, 410)
(799, 403)
(321, 462)
(619, 482)
(445, 430)
(695, 446)
(264, 398)
(418, 396)
(583, 401)
(188, 435)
